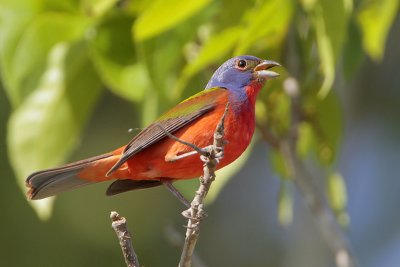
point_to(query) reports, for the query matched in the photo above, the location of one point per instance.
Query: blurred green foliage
(57, 55)
(56, 58)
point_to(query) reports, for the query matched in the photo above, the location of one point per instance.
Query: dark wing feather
(121, 186)
(153, 133)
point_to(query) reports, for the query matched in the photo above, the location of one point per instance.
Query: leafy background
(76, 75)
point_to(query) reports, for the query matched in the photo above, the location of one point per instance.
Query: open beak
(262, 70)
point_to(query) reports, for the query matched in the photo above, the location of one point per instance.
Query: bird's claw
(193, 215)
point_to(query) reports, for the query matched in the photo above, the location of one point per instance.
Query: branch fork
(124, 237)
(210, 156)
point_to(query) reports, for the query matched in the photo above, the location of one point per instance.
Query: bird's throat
(252, 91)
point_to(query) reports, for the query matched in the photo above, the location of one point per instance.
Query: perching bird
(151, 158)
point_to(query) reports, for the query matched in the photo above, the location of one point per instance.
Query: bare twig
(195, 213)
(176, 239)
(124, 237)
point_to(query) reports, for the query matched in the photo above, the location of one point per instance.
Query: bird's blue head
(239, 72)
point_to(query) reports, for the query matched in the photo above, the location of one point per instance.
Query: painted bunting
(151, 158)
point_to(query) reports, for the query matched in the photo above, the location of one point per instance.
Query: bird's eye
(241, 64)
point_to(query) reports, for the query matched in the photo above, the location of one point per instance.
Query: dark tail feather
(121, 186)
(50, 182)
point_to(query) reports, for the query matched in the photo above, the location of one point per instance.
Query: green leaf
(229, 9)
(162, 15)
(53, 114)
(337, 195)
(337, 191)
(280, 165)
(279, 112)
(40, 36)
(335, 17)
(375, 19)
(98, 8)
(328, 127)
(330, 19)
(269, 22)
(353, 54)
(216, 48)
(14, 19)
(306, 139)
(285, 204)
(326, 55)
(165, 53)
(150, 107)
(113, 54)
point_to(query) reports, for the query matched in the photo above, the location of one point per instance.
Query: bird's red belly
(151, 163)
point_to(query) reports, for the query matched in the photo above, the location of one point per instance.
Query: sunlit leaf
(44, 129)
(329, 127)
(216, 48)
(326, 56)
(375, 19)
(285, 204)
(164, 60)
(113, 54)
(308, 5)
(269, 21)
(162, 15)
(14, 18)
(98, 7)
(348, 6)
(337, 191)
(40, 36)
(335, 19)
(330, 20)
(130, 82)
(305, 140)
(337, 195)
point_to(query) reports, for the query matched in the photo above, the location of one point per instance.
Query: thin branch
(124, 237)
(268, 136)
(195, 213)
(316, 202)
(176, 239)
(306, 183)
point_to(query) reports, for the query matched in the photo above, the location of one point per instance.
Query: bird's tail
(50, 182)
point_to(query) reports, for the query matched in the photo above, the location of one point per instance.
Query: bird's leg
(178, 157)
(173, 158)
(168, 184)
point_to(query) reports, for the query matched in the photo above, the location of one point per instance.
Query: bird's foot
(195, 213)
(168, 184)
